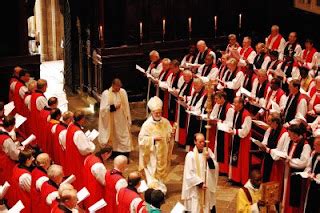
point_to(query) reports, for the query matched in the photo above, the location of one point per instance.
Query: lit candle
(141, 29)
(163, 26)
(100, 33)
(190, 24)
(215, 22)
(240, 16)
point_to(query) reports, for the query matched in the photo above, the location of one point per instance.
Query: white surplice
(190, 191)
(115, 126)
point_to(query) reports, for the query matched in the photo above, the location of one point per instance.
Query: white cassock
(115, 126)
(155, 156)
(194, 174)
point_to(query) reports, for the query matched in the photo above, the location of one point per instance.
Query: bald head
(120, 163)
(55, 173)
(67, 117)
(42, 85)
(201, 46)
(134, 179)
(43, 160)
(16, 71)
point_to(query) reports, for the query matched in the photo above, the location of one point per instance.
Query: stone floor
(226, 194)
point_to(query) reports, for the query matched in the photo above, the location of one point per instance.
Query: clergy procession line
(220, 109)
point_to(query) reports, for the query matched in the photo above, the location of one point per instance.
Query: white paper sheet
(302, 174)
(143, 186)
(70, 179)
(8, 108)
(17, 207)
(93, 135)
(260, 123)
(279, 154)
(97, 206)
(258, 143)
(245, 92)
(140, 69)
(302, 91)
(163, 85)
(87, 133)
(4, 188)
(223, 127)
(19, 120)
(27, 141)
(178, 208)
(275, 107)
(83, 194)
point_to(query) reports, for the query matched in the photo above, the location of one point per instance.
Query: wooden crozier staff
(209, 107)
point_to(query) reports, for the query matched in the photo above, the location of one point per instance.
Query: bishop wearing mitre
(155, 146)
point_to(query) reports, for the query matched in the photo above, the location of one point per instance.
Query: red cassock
(94, 187)
(35, 117)
(58, 153)
(16, 193)
(37, 173)
(112, 177)
(43, 130)
(6, 164)
(245, 54)
(28, 121)
(125, 198)
(47, 188)
(74, 160)
(240, 151)
(18, 101)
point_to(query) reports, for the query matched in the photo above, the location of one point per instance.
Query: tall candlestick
(215, 22)
(240, 16)
(190, 24)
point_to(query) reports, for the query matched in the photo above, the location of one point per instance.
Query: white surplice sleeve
(191, 178)
(25, 182)
(266, 136)
(98, 170)
(301, 163)
(282, 146)
(245, 128)
(84, 145)
(10, 148)
(41, 102)
(236, 82)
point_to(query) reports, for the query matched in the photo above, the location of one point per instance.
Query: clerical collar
(41, 169)
(63, 124)
(132, 188)
(157, 121)
(78, 125)
(52, 183)
(22, 166)
(38, 91)
(115, 171)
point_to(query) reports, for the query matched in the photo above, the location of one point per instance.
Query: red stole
(6, 164)
(12, 80)
(74, 160)
(316, 101)
(35, 194)
(112, 177)
(276, 43)
(246, 52)
(94, 187)
(308, 55)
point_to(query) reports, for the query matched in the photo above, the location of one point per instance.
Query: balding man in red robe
(114, 182)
